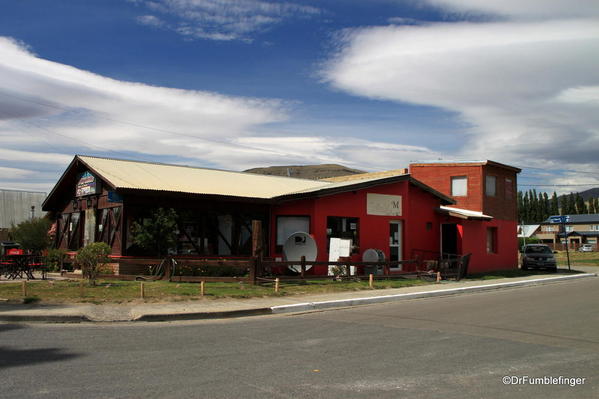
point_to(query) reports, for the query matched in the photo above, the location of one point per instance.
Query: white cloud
(221, 19)
(34, 157)
(580, 95)
(14, 173)
(353, 152)
(525, 88)
(55, 111)
(150, 20)
(536, 9)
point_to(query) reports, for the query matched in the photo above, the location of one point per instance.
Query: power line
(72, 138)
(560, 169)
(558, 185)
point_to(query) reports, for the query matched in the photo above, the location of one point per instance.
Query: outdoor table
(18, 266)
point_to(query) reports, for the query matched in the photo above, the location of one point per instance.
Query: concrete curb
(309, 306)
(299, 307)
(204, 315)
(25, 318)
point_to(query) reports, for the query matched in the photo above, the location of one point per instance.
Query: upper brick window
(491, 186)
(459, 186)
(509, 188)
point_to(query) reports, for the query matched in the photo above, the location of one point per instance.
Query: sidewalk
(224, 308)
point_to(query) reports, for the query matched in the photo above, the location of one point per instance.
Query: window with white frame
(569, 229)
(459, 186)
(595, 227)
(550, 228)
(491, 186)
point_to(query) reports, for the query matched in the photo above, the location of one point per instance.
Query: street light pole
(567, 245)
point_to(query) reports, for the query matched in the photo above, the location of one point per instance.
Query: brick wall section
(438, 176)
(501, 206)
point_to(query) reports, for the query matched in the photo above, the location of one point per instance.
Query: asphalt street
(448, 347)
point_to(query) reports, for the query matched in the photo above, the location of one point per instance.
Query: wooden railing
(253, 270)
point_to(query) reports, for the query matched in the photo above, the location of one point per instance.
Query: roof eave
(71, 165)
(463, 216)
(129, 190)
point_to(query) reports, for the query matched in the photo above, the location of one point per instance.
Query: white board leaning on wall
(339, 247)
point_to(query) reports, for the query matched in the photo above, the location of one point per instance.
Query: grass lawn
(578, 258)
(114, 291)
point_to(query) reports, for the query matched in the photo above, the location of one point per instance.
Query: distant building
(17, 206)
(581, 229)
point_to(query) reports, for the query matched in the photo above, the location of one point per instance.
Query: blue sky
(235, 84)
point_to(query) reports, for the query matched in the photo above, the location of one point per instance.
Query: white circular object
(297, 245)
(373, 255)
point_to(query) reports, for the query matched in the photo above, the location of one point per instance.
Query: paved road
(453, 347)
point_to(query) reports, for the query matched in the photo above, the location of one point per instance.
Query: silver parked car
(586, 248)
(538, 256)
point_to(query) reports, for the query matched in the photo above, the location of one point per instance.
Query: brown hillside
(313, 172)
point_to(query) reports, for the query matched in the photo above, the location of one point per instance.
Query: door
(449, 238)
(395, 242)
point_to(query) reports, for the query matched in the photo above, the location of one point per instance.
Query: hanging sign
(86, 185)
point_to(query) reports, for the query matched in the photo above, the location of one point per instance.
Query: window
(550, 228)
(490, 186)
(343, 227)
(509, 188)
(595, 227)
(287, 225)
(569, 229)
(459, 186)
(492, 240)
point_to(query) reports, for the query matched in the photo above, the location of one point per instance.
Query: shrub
(55, 258)
(530, 240)
(32, 234)
(93, 259)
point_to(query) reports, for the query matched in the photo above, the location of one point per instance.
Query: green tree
(525, 209)
(554, 207)
(93, 259)
(534, 206)
(571, 204)
(591, 205)
(32, 234)
(581, 207)
(158, 233)
(545, 207)
(520, 201)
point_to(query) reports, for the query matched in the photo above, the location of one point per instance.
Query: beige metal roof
(342, 184)
(362, 176)
(125, 174)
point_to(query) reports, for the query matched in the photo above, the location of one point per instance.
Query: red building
(439, 207)
(489, 190)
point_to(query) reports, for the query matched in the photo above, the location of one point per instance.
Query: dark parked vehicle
(538, 256)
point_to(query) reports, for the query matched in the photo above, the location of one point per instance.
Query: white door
(395, 242)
